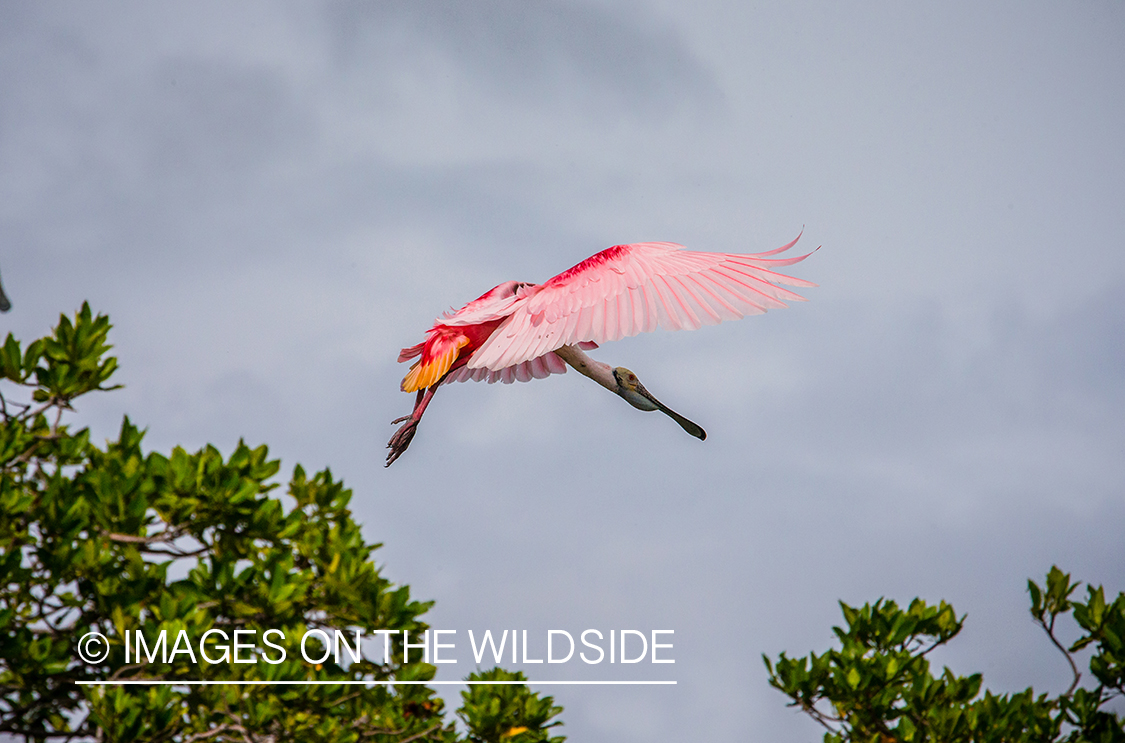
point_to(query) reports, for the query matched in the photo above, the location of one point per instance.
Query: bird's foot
(402, 438)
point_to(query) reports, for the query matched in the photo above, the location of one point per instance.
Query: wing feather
(597, 319)
(632, 311)
(537, 369)
(716, 306)
(676, 304)
(582, 328)
(630, 289)
(611, 321)
(650, 313)
(554, 363)
(697, 299)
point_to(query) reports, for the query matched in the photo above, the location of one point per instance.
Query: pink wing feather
(630, 289)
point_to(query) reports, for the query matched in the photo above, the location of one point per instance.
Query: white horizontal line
(155, 682)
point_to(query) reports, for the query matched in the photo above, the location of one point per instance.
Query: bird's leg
(403, 436)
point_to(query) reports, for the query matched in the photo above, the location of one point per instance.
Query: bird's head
(630, 388)
(626, 379)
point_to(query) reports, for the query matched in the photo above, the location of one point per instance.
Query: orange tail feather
(435, 362)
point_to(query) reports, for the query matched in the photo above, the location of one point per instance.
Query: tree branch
(422, 734)
(164, 536)
(1050, 630)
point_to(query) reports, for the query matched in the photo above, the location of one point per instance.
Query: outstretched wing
(629, 289)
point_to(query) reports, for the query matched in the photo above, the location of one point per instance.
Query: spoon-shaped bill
(692, 428)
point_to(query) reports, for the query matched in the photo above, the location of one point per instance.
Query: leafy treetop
(878, 686)
(113, 539)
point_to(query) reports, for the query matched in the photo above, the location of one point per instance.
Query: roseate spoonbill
(520, 331)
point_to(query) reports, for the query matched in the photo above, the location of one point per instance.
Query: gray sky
(271, 199)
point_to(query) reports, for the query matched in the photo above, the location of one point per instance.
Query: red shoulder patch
(597, 259)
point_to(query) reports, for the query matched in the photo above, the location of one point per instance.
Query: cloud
(271, 200)
(581, 53)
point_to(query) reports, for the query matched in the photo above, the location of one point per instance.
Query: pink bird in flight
(520, 331)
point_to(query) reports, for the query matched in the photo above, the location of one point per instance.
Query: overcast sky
(271, 199)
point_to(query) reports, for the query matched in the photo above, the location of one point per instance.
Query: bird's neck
(583, 364)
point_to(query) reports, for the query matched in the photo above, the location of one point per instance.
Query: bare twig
(346, 698)
(236, 726)
(178, 553)
(1050, 630)
(26, 456)
(816, 714)
(209, 734)
(58, 418)
(25, 406)
(125, 669)
(164, 536)
(41, 409)
(422, 734)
